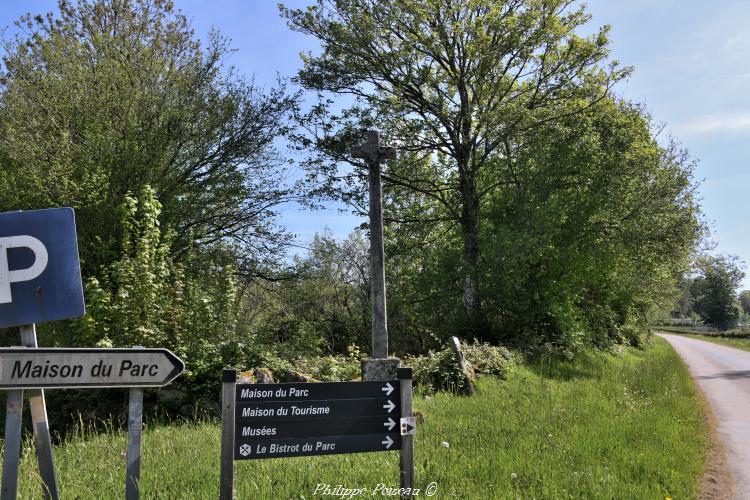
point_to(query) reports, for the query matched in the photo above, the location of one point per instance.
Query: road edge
(716, 479)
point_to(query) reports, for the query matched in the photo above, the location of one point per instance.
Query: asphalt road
(723, 373)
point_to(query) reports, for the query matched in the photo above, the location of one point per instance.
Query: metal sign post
(135, 427)
(406, 457)
(40, 280)
(40, 423)
(12, 444)
(226, 486)
(39, 368)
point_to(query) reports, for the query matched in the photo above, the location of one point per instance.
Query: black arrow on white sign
(81, 368)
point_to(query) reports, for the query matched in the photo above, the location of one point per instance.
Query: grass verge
(597, 427)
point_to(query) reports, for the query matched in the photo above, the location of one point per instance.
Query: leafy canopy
(105, 97)
(715, 290)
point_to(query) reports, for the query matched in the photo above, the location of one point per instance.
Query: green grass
(727, 340)
(598, 427)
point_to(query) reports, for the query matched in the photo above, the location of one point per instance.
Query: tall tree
(459, 83)
(595, 229)
(745, 301)
(715, 290)
(581, 247)
(107, 96)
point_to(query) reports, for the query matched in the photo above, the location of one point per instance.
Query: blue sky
(691, 70)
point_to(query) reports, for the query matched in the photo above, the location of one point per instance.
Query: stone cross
(373, 153)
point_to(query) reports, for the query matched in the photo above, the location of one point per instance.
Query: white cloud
(715, 123)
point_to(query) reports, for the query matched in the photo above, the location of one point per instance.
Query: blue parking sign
(40, 275)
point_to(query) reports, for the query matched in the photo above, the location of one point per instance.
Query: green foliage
(744, 298)
(116, 109)
(584, 237)
(593, 232)
(683, 308)
(148, 298)
(490, 360)
(436, 371)
(528, 205)
(331, 294)
(104, 97)
(139, 279)
(458, 87)
(321, 306)
(715, 291)
(333, 368)
(145, 297)
(439, 370)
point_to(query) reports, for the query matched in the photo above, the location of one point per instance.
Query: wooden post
(40, 424)
(373, 153)
(228, 402)
(406, 457)
(456, 347)
(12, 444)
(135, 428)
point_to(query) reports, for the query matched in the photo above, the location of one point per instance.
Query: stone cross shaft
(373, 153)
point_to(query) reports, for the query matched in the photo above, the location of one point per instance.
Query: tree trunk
(470, 232)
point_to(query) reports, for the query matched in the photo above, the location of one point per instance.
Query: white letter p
(7, 276)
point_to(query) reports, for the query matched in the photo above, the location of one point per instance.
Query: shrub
(436, 371)
(333, 368)
(487, 359)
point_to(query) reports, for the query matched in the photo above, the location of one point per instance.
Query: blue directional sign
(40, 276)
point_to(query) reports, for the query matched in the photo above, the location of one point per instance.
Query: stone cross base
(379, 369)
